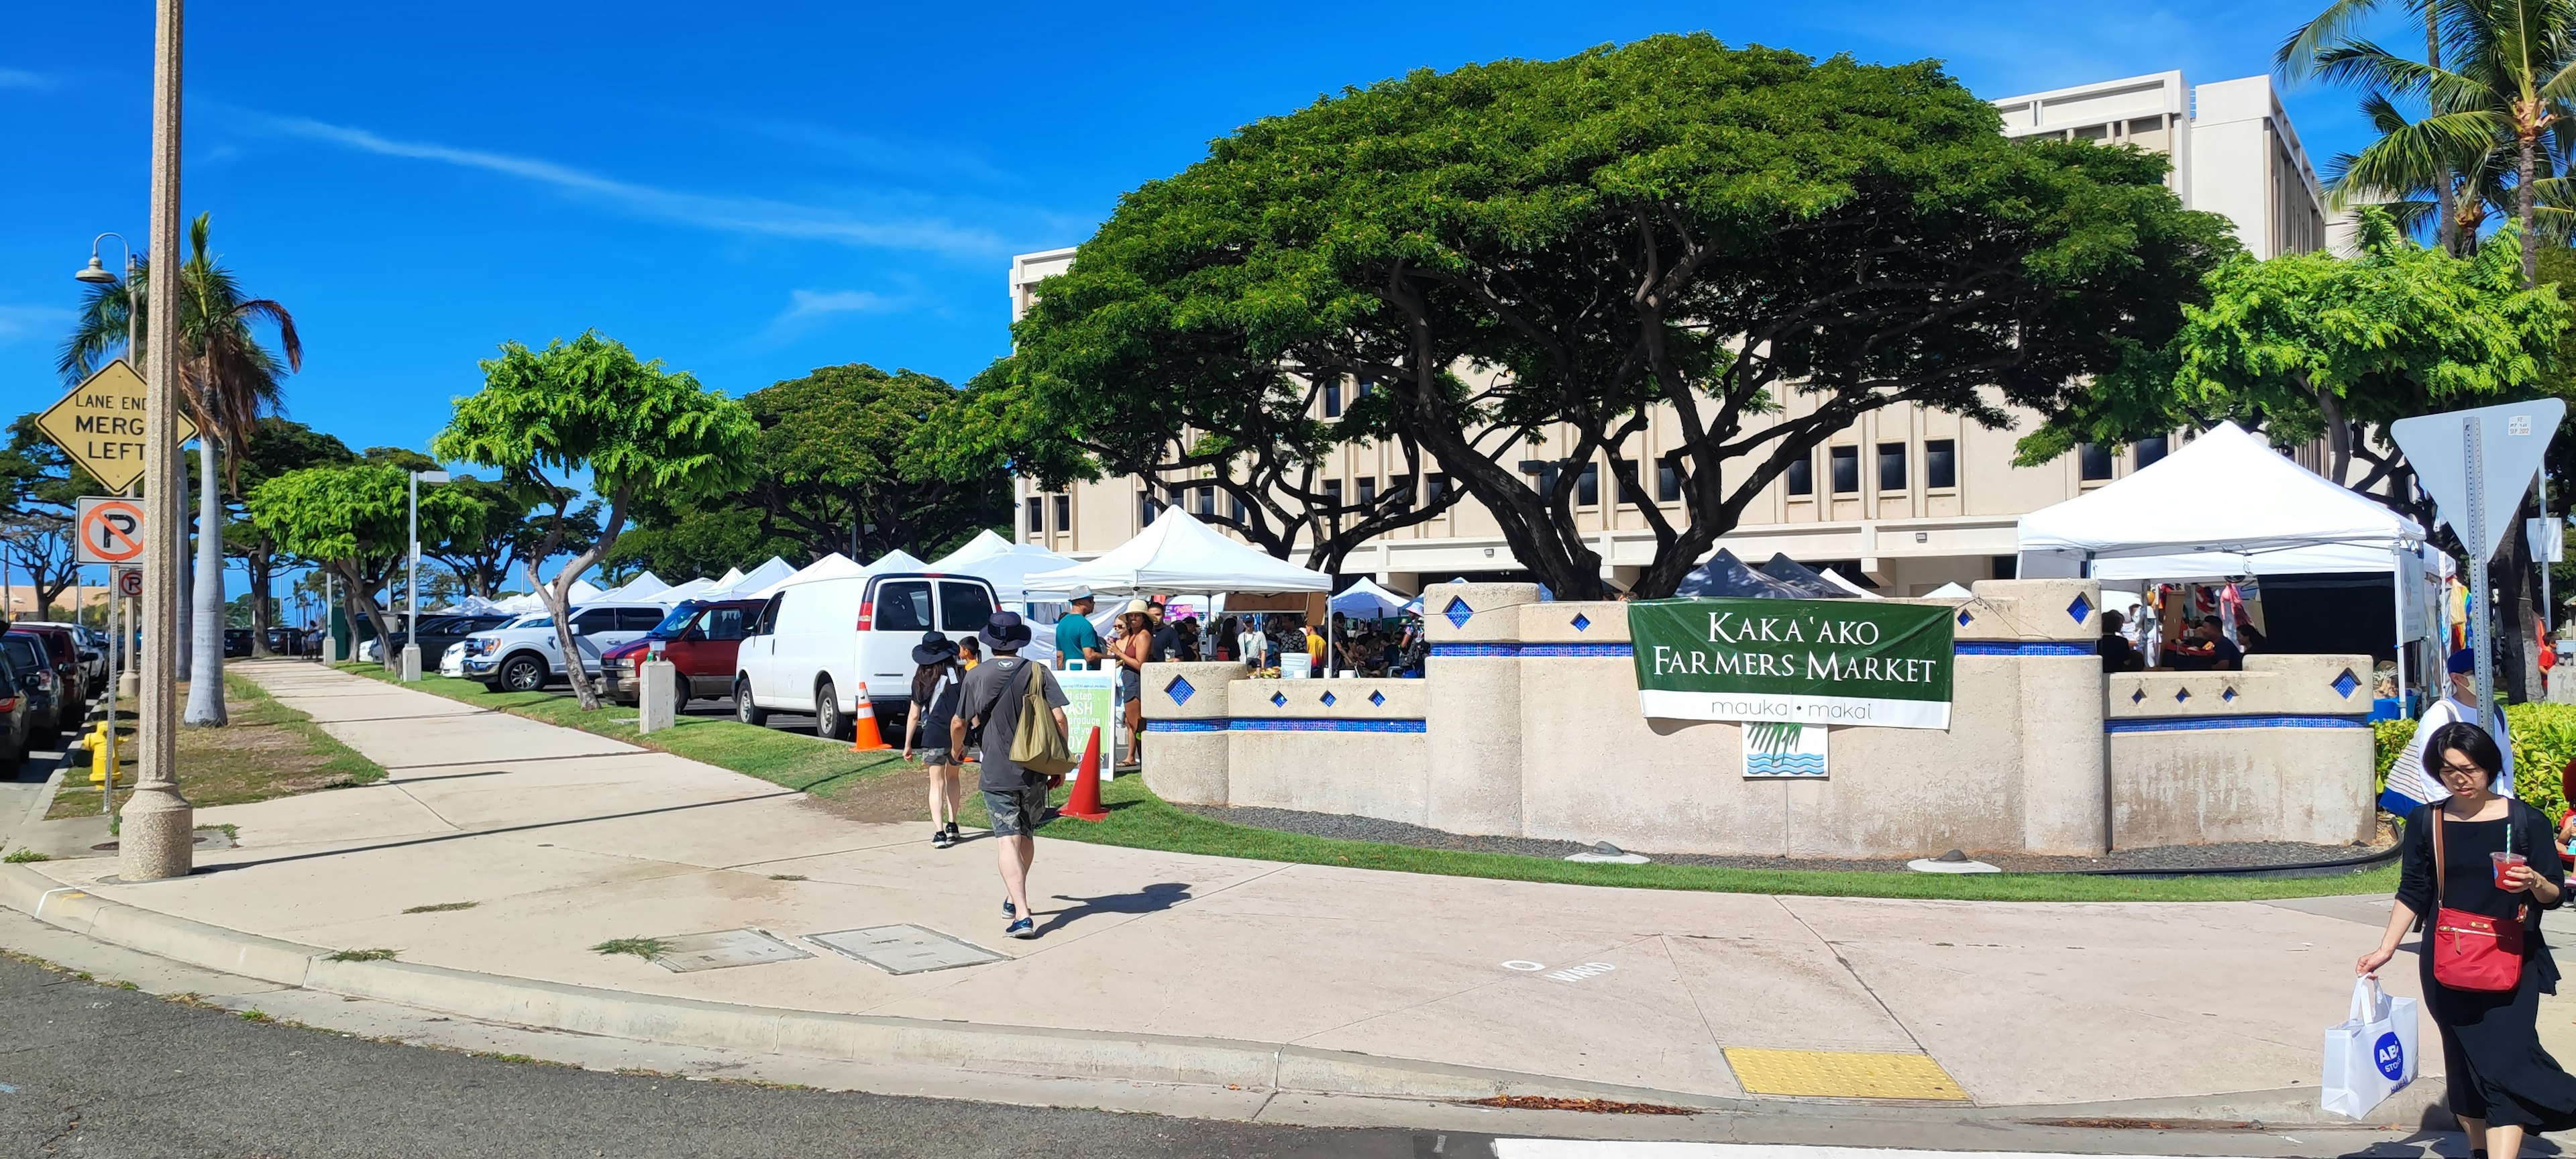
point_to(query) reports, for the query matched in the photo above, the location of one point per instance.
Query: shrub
(2544, 740)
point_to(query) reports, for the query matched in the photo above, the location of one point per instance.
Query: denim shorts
(931, 755)
(1016, 812)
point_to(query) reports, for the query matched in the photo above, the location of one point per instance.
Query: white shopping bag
(2369, 1054)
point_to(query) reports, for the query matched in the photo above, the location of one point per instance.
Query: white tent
(732, 576)
(896, 560)
(832, 566)
(745, 583)
(1366, 600)
(1949, 591)
(2225, 505)
(695, 589)
(641, 588)
(1180, 554)
(1004, 564)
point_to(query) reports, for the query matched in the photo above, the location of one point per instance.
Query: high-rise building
(1906, 499)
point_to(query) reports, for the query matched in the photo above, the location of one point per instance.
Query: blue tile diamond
(2080, 608)
(2229, 696)
(1328, 700)
(1378, 699)
(2345, 684)
(2138, 696)
(1179, 690)
(1581, 622)
(1964, 618)
(2181, 694)
(1278, 700)
(1458, 611)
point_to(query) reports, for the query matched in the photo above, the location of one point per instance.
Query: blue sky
(748, 193)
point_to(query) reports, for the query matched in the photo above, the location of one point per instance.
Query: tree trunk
(206, 664)
(2446, 200)
(260, 564)
(2526, 213)
(185, 642)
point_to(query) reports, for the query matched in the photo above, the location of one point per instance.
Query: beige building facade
(1906, 500)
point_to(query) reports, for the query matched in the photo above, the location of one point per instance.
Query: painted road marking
(1587, 1149)
(1580, 972)
(1842, 1074)
(1524, 965)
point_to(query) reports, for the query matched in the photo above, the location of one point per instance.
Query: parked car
(699, 637)
(236, 643)
(524, 656)
(17, 714)
(438, 632)
(65, 654)
(37, 681)
(816, 644)
(88, 643)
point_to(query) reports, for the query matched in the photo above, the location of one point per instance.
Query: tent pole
(2397, 588)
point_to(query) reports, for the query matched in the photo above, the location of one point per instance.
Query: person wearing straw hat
(1133, 649)
(1016, 797)
(936, 683)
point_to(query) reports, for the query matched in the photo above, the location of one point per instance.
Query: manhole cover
(905, 949)
(715, 951)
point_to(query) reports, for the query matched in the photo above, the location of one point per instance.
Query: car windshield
(677, 622)
(532, 621)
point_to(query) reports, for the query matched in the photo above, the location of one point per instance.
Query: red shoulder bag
(2472, 951)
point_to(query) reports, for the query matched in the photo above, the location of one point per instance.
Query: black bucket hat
(934, 648)
(1005, 632)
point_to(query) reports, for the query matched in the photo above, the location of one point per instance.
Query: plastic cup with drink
(2505, 862)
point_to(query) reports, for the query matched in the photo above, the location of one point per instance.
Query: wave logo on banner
(1809, 662)
(1772, 749)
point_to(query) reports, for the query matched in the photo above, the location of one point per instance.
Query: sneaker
(952, 833)
(939, 839)
(1023, 928)
(1009, 910)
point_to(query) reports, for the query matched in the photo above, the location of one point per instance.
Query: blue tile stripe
(2207, 723)
(1285, 724)
(1625, 651)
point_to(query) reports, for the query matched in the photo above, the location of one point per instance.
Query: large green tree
(589, 405)
(274, 447)
(354, 520)
(1565, 249)
(483, 554)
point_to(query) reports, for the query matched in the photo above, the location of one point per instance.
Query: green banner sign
(1830, 662)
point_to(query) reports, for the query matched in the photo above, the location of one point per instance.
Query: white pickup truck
(524, 655)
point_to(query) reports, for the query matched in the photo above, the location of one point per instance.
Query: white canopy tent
(642, 587)
(745, 583)
(1180, 554)
(896, 560)
(831, 566)
(1002, 563)
(2227, 506)
(732, 576)
(1368, 601)
(695, 589)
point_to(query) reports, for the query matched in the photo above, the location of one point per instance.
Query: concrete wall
(1527, 725)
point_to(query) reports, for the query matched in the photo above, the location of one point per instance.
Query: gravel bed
(2180, 858)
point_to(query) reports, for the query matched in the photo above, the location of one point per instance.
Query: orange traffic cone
(1084, 803)
(864, 736)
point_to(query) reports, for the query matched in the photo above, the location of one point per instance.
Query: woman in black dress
(2501, 1084)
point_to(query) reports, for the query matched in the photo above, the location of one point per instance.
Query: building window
(1234, 503)
(1367, 388)
(1542, 475)
(1333, 400)
(1368, 492)
(1668, 483)
(2151, 450)
(2093, 461)
(1587, 486)
(1438, 486)
(1332, 492)
(1064, 512)
(2004, 566)
(1037, 515)
(1891, 466)
(1145, 508)
(1940, 464)
(1802, 475)
(1207, 499)
(1846, 466)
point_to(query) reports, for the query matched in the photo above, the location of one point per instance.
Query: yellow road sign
(100, 425)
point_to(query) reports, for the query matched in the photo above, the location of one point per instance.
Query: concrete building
(1907, 499)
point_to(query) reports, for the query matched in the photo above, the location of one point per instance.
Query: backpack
(1037, 745)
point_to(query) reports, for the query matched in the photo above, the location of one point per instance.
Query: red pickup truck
(699, 638)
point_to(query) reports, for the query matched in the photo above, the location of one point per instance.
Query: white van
(818, 642)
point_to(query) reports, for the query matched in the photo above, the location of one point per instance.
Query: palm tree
(2299, 55)
(2456, 196)
(227, 379)
(2507, 91)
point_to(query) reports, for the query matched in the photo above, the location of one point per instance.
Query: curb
(1023, 1051)
(1012, 1050)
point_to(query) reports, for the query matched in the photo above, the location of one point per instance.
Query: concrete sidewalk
(563, 840)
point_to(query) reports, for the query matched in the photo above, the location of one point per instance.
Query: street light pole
(119, 648)
(154, 841)
(411, 579)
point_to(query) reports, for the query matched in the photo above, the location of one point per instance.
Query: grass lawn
(269, 750)
(1139, 819)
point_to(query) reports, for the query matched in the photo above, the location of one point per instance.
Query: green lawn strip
(242, 762)
(1139, 819)
(787, 759)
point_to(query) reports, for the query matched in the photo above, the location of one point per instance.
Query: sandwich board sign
(100, 425)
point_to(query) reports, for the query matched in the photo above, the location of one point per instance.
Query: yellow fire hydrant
(96, 743)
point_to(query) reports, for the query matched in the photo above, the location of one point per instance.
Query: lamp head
(96, 274)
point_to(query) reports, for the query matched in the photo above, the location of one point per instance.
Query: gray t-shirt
(997, 682)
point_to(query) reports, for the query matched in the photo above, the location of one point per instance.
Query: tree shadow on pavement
(1151, 899)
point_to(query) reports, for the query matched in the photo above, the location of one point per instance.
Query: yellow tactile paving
(1842, 1074)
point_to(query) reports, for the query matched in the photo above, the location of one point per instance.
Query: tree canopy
(591, 405)
(1554, 250)
(355, 520)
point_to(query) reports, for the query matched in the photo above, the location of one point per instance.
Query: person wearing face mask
(2477, 869)
(2410, 783)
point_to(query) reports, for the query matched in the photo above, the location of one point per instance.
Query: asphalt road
(86, 1070)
